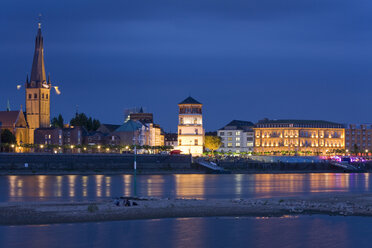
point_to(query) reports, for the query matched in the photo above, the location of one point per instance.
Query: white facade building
(190, 127)
(237, 136)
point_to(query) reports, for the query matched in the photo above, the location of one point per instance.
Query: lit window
(237, 145)
(229, 139)
(196, 142)
(180, 142)
(238, 133)
(237, 138)
(229, 144)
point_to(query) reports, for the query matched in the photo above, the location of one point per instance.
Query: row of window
(196, 131)
(236, 133)
(195, 142)
(236, 139)
(35, 96)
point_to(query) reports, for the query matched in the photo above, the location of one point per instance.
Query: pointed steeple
(141, 110)
(38, 67)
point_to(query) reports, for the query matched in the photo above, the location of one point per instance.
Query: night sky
(249, 59)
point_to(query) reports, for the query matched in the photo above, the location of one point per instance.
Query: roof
(238, 124)
(9, 118)
(111, 127)
(38, 68)
(129, 126)
(189, 100)
(317, 123)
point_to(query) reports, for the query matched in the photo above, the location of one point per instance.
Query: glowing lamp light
(72, 146)
(12, 145)
(41, 146)
(99, 147)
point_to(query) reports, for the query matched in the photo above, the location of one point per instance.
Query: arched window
(46, 96)
(29, 96)
(35, 95)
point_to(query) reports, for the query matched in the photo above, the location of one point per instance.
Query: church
(37, 114)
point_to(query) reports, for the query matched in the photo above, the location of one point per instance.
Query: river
(287, 231)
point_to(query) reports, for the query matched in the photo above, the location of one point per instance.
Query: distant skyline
(243, 60)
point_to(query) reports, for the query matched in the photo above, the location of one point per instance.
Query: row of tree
(81, 120)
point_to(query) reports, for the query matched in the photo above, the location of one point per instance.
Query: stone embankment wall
(260, 166)
(92, 162)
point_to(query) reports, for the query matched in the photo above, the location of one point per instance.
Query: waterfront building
(302, 137)
(190, 127)
(141, 116)
(170, 139)
(358, 139)
(16, 123)
(38, 90)
(59, 136)
(237, 137)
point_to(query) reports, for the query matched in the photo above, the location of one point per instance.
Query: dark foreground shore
(22, 213)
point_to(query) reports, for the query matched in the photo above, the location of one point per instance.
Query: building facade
(38, 91)
(237, 137)
(301, 137)
(358, 139)
(171, 139)
(16, 123)
(190, 127)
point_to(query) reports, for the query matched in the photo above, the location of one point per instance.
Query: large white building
(237, 136)
(190, 127)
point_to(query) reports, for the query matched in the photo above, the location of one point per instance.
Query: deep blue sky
(249, 59)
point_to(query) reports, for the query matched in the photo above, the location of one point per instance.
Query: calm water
(293, 231)
(304, 231)
(75, 187)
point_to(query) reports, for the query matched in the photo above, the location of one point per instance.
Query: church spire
(38, 67)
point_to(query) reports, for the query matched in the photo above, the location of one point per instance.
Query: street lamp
(135, 166)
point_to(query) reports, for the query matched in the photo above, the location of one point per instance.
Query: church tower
(38, 90)
(190, 127)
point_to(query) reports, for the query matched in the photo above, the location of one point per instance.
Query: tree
(7, 137)
(57, 121)
(212, 143)
(82, 120)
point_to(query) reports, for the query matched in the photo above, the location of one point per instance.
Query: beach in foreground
(25, 213)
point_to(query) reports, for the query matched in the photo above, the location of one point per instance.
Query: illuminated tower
(190, 127)
(38, 90)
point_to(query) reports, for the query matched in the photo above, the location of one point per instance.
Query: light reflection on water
(289, 231)
(77, 187)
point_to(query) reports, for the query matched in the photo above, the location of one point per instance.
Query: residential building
(170, 139)
(190, 127)
(59, 136)
(237, 137)
(358, 138)
(302, 137)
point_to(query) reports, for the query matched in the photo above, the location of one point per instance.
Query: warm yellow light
(41, 146)
(108, 149)
(347, 150)
(85, 148)
(99, 147)
(72, 146)
(12, 145)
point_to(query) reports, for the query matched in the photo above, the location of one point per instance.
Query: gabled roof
(110, 127)
(238, 124)
(129, 126)
(189, 100)
(12, 118)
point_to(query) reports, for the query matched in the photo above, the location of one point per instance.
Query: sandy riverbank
(56, 212)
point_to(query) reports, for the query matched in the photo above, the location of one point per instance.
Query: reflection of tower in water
(190, 186)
